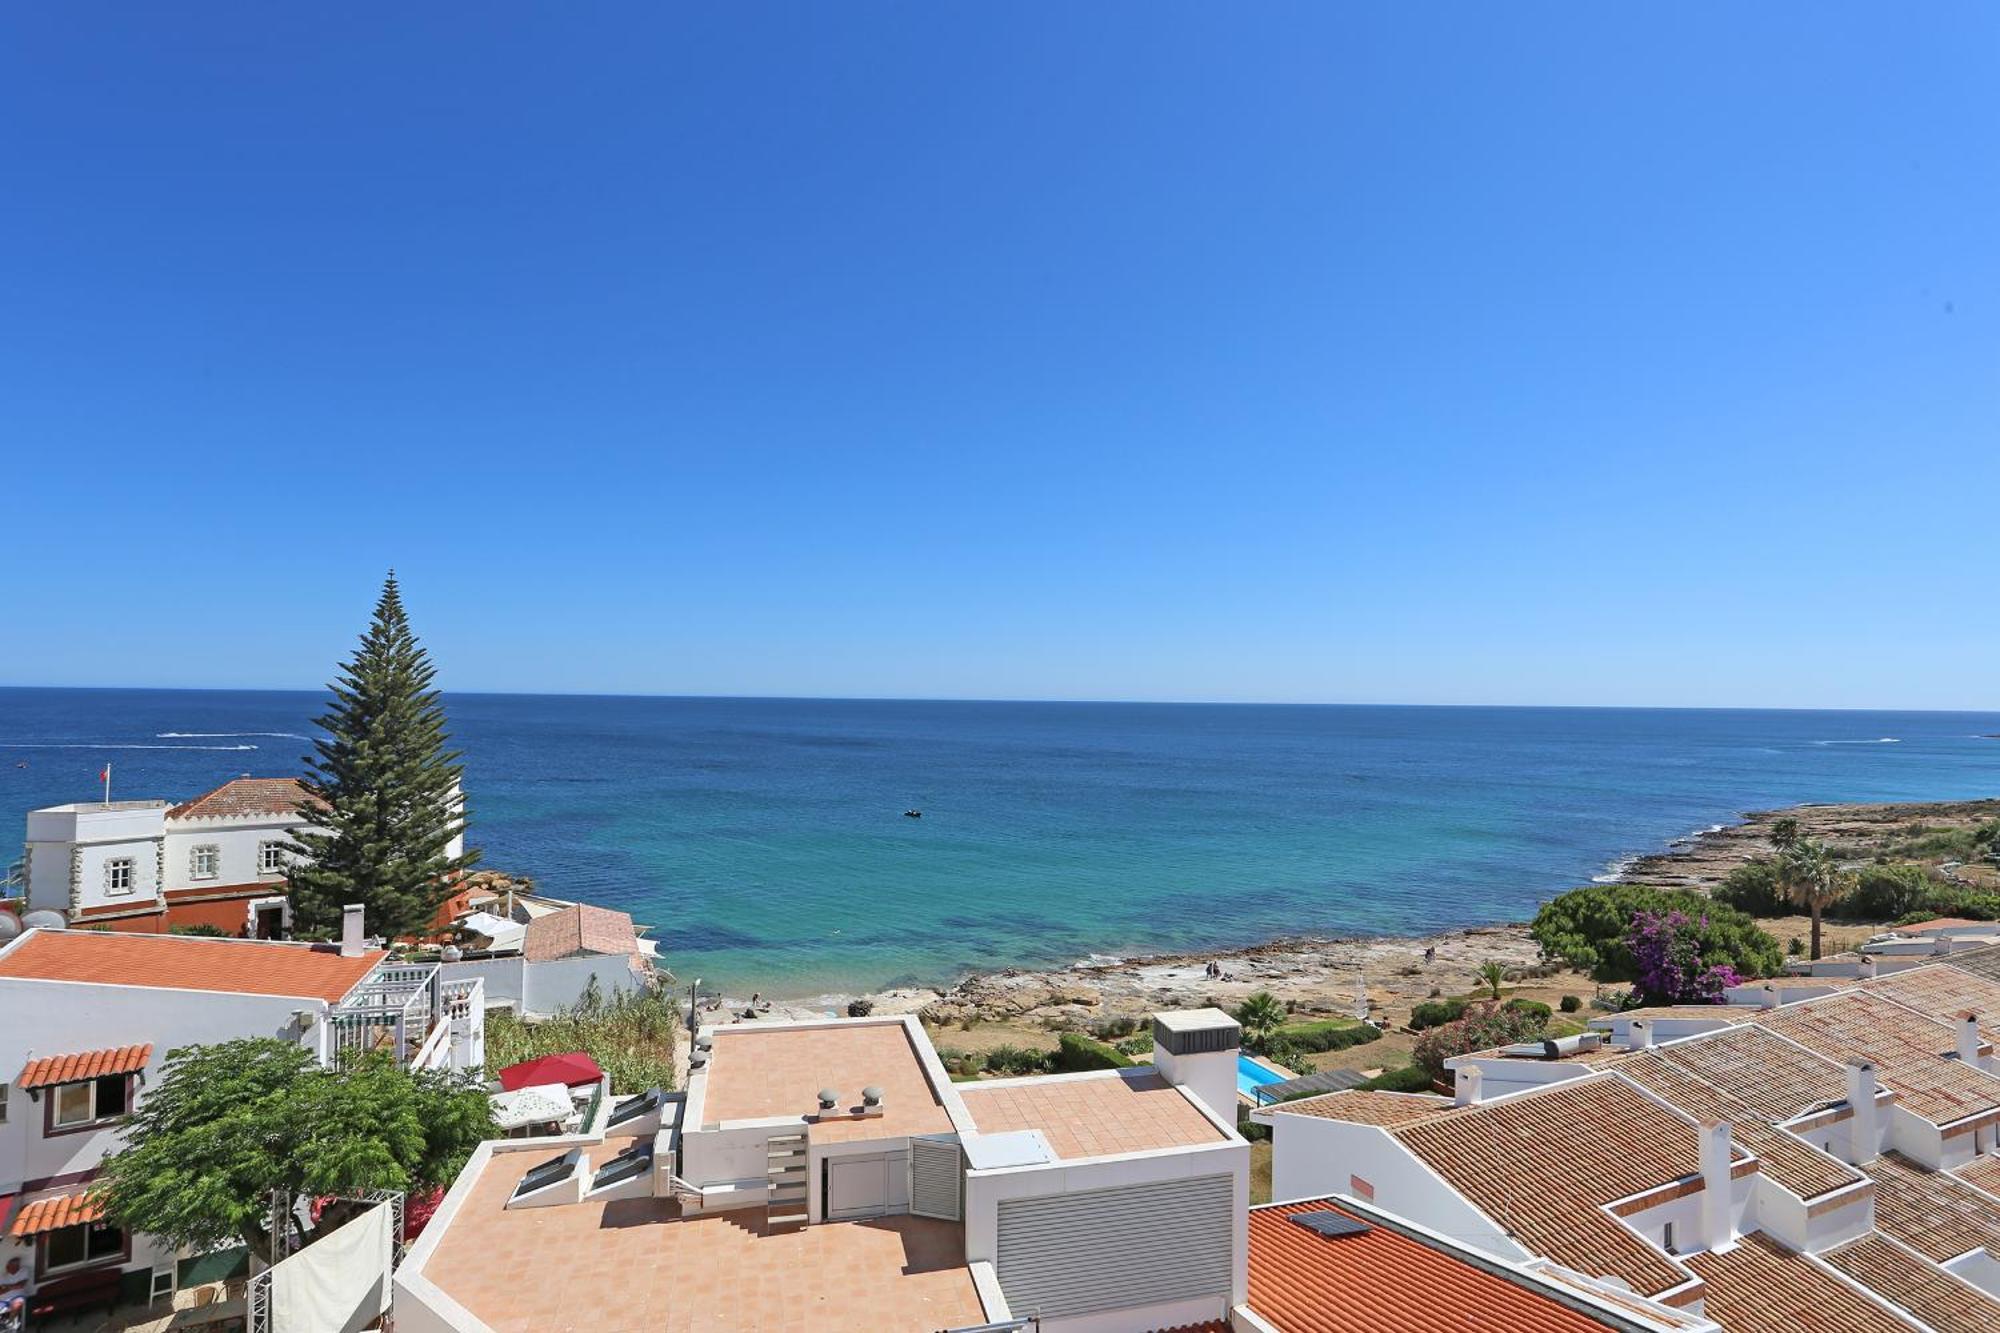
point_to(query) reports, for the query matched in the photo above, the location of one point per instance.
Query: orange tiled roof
(1785, 1158)
(1384, 1281)
(1934, 1213)
(1897, 1273)
(576, 929)
(63, 1210)
(1778, 1079)
(246, 796)
(1982, 1172)
(53, 1069)
(1980, 962)
(1910, 1051)
(1368, 1107)
(1093, 1117)
(757, 1072)
(1760, 1288)
(186, 962)
(1544, 1164)
(1943, 992)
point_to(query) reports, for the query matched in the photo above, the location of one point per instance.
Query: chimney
(1769, 999)
(1968, 1038)
(1638, 1034)
(350, 931)
(1465, 1083)
(1716, 1231)
(1870, 967)
(1862, 1143)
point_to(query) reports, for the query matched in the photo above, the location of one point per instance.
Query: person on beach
(1431, 954)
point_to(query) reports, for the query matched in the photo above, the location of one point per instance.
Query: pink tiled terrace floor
(636, 1265)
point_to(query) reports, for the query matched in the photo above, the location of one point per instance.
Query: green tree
(225, 1125)
(1492, 974)
(1784, 834)
(1261, 1015)
(1813, 879)
(388, 787)
(1588, 926)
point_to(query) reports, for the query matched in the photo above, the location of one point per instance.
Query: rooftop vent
(552, 1172)
(828, 1099)
(871, 1100)
(1330, 1224)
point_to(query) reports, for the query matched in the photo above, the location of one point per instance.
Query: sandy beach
(1331, 975)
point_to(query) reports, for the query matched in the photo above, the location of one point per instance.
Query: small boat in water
(913, 814)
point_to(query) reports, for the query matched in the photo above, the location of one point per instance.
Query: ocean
(765, 841)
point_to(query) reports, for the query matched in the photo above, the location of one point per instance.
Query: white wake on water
(110, 745)
(213, 735)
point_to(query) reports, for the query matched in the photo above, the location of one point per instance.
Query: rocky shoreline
(1333, 975)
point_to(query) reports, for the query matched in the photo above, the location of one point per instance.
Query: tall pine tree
(389, 787)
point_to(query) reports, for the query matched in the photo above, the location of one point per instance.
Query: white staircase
(785, 1180)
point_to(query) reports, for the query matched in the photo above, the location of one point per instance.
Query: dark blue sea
(765, 841)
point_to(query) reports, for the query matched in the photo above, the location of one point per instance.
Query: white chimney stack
(1862, 1143)
(350, 931)
(1870, 968)
(1968, 1038)
(1717, 1232)
(1639, 1034)
(1769, 999)
(1465, 1083)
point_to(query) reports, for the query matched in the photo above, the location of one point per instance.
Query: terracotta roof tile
(1759, 1287)
(1777, 1078)
(1786, 1158)
(246, 796)
(52, 1069)
(1386, 1281)
(186, 962)
(1935, 1214)
(1544, 1164)
(1980, 962)
(1982, 1172)
(576, 929)
(62, 1210)
(1899, 1274)
(1910, 1051)
(1133, 1111)
(1943, 991)
(1367, 1107)
(758, 1072)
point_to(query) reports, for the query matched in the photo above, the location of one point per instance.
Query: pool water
(1251, 1076)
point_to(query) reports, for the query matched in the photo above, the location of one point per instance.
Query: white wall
(546, 988)
(1500, 1077)
(237, 839)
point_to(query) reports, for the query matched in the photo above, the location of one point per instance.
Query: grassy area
(630, 1036)
(1260, 1172)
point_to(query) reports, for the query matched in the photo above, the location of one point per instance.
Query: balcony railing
(394, 1009)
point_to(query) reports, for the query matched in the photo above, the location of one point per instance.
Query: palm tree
(1784, 834)
(1492, 974)
(1261, 1015)
(1810, 876)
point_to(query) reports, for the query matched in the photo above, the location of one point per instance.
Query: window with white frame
(87, 1243)
(271, 858)
(118, 875)
(205, 861)
(90, 1102)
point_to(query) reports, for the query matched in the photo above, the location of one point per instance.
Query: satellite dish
(43, 919)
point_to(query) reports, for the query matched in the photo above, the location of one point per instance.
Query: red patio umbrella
(568, 1070)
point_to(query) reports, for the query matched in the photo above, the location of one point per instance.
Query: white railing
(396, 1008)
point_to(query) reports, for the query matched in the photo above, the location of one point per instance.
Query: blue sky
(1448, 353)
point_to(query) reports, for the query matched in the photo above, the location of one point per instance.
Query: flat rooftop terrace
(1093, 1115)
(762, 1074)
(636, 1264)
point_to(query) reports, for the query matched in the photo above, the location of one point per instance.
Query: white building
(831, 1175)
(90, 1018)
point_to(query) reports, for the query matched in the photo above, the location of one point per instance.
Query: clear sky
(1594, 353)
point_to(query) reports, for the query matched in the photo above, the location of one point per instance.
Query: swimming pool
(1251, 1076)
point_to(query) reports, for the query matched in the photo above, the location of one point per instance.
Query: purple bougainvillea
(1666, 949)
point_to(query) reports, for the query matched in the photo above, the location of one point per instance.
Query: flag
(105, 776)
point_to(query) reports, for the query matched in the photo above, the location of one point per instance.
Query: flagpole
(107, 785)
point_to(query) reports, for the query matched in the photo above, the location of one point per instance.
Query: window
(118, 875)
(100, 1099)
(206, 861)
(1667, 1240)
(271, 858)
(3, 1103)
(87, 1243)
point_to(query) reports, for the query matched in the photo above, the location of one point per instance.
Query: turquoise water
(765, 842)
(1251, 1076)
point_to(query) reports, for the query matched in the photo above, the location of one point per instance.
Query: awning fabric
(84, 1065)
(568, 1070)
(64, 1210)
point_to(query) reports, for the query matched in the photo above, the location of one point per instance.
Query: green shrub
(1534, 1009)
(1113, 1026)
(1251, 1131)
(1884, 892)
(199, 928)
(1571, 1003)
(1923, 841)
(1486, 1025)
(1795, 947)
(1587, 927)
(1753, 887)
(1135, 1046)
(631, 1036)
(1014, 1061)
(1433, 1013)
(1076, 1053)
(1407, 1079)
(1333, 1034)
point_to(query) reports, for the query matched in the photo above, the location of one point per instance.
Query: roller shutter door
(1074, 1254)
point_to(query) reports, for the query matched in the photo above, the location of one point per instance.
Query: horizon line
(322, 690)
